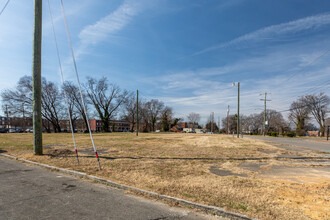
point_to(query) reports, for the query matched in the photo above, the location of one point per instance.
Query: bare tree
(154, 107)
(232, 123)
(19, 99)
(130, 110)
(193, 118)
(166, 118)
(76, 106)
(275, 120)
(106, 99)
(299, 115)
(252, 123)
(52, 108)
(144, 117)
(318, 106)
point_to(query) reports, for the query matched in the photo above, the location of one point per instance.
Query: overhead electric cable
(4, 7)
(304, 69)
(77, 75)
(62, 79)
(310, 90)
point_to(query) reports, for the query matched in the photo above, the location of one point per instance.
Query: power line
(304, 70)
(4, 7)
(327, 51)
(77, 76)
(62, 79)
(313, 89)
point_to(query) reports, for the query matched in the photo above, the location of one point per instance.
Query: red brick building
(114, 125)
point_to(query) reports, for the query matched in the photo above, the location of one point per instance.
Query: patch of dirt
(296, 174)
(222, 172)
(254, 167)
(50, 146)
(60, 152)
(90, 151)
(267, 151)
(312, 199)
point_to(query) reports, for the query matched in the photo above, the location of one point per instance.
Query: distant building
(3, 122)
(313, 133)
(114, 125)
(327, 127)
(16, 122)
(187, 129)
(183, 126)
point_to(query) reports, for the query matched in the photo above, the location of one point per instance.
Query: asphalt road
(28, 192)
(300, 142)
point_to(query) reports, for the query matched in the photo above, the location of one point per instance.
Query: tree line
(107, 101)
(102, 99)
(301, 113)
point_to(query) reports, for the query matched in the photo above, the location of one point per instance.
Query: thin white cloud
(275, 31)
(228, 3)
(287, 73)
(110, 24)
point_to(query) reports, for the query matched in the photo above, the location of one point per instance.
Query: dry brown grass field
(241, 175)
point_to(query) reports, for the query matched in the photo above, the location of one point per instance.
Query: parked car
(12, 130)
(19, 130)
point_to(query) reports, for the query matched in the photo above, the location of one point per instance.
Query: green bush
(272, 133)
(290, 134)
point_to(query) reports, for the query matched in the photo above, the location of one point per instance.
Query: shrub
(290, 134)
(274, 134)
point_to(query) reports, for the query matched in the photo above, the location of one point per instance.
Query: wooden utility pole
(238, 130)
(211, 121)
(264, 125)
(36, 78)
(227, 127)
(137, 112)
(7, 118)
(23, 127)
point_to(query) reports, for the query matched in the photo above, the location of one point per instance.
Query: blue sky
(186, 53)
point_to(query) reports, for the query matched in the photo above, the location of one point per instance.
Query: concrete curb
(209, 209)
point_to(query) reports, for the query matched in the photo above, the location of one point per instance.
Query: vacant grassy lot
(211, 169)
